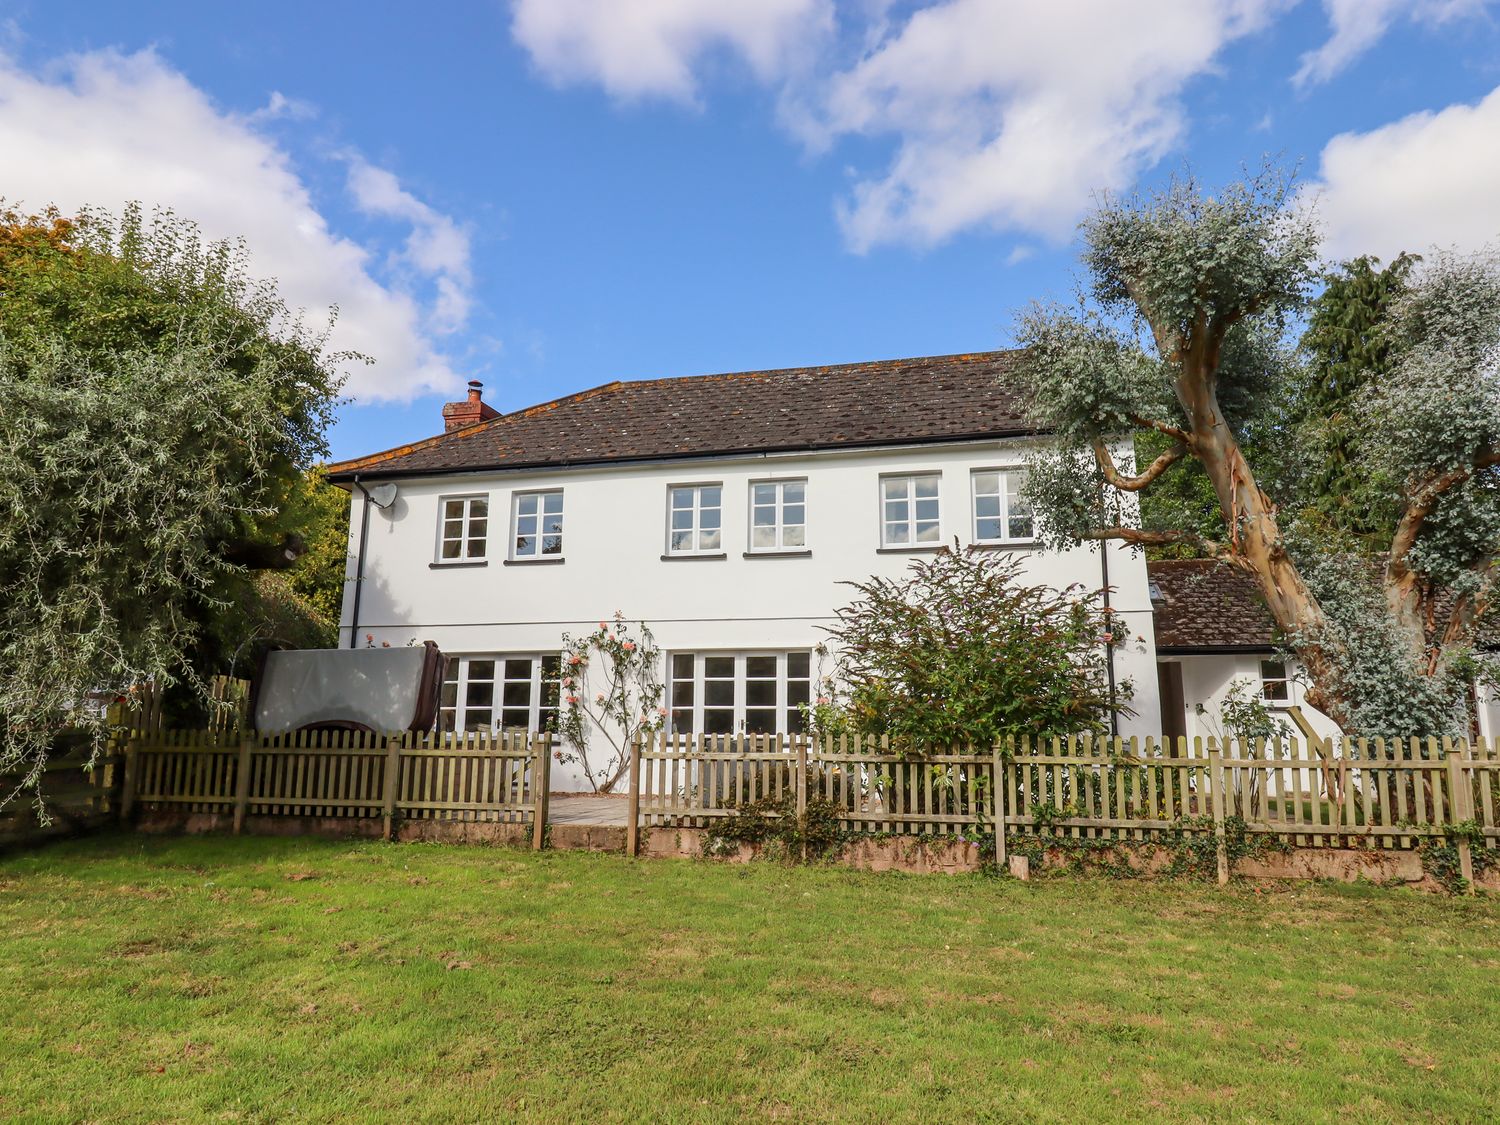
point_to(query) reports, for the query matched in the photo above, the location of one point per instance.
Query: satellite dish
(383, 495)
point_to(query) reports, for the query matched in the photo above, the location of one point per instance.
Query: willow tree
(157, 401)
(1181, 331)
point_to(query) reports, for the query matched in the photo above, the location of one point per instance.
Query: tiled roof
(1203, 605)
(887, 402)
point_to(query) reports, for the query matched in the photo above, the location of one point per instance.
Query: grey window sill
(1019, 545)
(914, 550)
(534, 562)
(720, 557)
(458, 565)
(778, 554)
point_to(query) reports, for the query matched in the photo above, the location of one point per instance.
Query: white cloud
(649, 48)
(1005, 116)
(1430, 179)
(105, 128)
(1011, 118)
(437, 247)
(1357, 25)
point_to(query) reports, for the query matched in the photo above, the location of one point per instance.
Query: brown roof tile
(887, 402)
(1204, 605)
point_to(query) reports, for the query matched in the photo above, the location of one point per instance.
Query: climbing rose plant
(611, 688)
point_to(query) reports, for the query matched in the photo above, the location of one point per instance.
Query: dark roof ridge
(958, 396)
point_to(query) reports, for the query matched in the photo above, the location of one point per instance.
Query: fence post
(802, 792)
(392, 783)
(242, 784)
(633, 823)
(997, 784)
(132, 778)
(541, 780)
(1459, 793)
(1216, 783)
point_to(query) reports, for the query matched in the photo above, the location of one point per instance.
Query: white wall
(1206, 680)
(615, 537)
(1489, 712)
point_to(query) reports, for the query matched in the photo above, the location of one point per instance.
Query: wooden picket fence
(474, 776)
(76, 794)
(1365, 792)
(1354, 792)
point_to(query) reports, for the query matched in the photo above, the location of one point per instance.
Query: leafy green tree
(963, 651)
(1183, 332)
(158, 404)
(1348, 347)
(1345, 347)
(320, 511)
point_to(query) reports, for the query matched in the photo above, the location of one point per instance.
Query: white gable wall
(615, 534)
(1207, 679)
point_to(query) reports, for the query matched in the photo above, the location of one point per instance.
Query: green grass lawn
(283, 980)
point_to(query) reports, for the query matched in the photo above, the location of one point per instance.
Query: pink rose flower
(629, 646)
(572, 699)
(662, 711)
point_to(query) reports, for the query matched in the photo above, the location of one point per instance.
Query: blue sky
(550, 194)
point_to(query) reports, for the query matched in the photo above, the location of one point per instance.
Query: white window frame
(457, 673)
(1270, 683)
(465, 537)
(780, 527)
(1008, 481)
(537, 554)
(697, 529)
(911, 499)
(785, 707)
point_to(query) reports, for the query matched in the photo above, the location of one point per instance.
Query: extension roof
(886, 402)
(1207, 606)
(1204, 606)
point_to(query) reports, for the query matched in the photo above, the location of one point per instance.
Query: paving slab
(588, 810)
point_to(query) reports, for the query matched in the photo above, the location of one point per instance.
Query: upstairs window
(909, 511)
(465, 528)
(1001, 515)
(1275, 684)
(695, 514)
(778, 515)
(538, 525)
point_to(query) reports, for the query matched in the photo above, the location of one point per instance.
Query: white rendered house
(725, 511)
(722, 510)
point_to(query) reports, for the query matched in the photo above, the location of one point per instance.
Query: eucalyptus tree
(158, 404)
(1183, 330)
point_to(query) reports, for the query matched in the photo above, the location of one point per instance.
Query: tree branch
(1422, 503)
(1136, 483)
(1471, 607)
(1176, 433)
(1144, 538)
(1168, 345)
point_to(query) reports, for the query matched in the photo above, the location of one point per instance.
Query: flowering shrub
(612, 693)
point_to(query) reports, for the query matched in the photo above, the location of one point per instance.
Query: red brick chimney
(457, 415)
